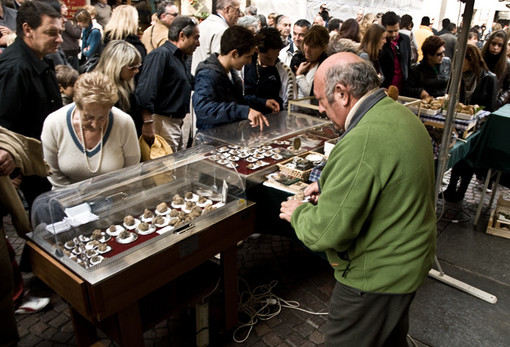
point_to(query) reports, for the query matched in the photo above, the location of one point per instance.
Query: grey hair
(248, 21)
(162, 7)
(184, 24)
(251, 11)
(360, 77)
(221, 4)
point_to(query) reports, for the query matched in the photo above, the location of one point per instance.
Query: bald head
(337, 61)
(340, 81)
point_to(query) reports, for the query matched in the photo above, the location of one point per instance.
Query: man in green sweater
(372, 210)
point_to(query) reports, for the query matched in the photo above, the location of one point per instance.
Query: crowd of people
(89, 86)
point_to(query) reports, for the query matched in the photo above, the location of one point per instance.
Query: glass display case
(254, 153)
(102, 226)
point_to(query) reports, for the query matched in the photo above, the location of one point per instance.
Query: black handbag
(89, 65)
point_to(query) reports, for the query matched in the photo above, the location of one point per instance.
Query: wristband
(148, 121)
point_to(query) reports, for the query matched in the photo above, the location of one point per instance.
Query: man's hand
(7, 164)
(303, 68)
(257, 119)
(148, 129)
(273, 105)
(312, 191)
(287, 208)
(148, 132)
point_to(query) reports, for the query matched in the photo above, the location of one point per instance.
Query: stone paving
(302, 276)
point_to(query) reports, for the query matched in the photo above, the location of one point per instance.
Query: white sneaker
(32, 304)
(255, 236)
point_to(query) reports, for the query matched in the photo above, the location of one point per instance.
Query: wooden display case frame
(118, 305)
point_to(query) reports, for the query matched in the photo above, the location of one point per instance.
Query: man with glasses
(227, 14)
(164, 88)
(395, 57)
(292, 55)
(157, 34)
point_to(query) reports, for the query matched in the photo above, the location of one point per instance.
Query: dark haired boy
(218, 97)
(266, 78)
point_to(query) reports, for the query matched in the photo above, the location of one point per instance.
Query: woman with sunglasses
(494, 52)
(121, 62)
(429, 77)
(479, 86)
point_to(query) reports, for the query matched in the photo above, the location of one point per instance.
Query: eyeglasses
(172, 14)
(237, 10)
(133, 67)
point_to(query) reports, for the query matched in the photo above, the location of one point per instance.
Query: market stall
(492, 151)
(126, 248)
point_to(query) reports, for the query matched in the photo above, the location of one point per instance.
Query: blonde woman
(89, 137)
(367, 21)
(121, 61)
(123, 25)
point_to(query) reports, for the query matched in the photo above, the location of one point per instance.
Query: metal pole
(453, 93)
(445, 146)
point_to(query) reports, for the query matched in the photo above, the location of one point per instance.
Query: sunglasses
(133, 67)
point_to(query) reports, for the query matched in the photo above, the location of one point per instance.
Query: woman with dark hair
(315, 43)
(430, 76)
(91, 40)
(494, 53)
(350, 30)
(479, 86)
(371, 45)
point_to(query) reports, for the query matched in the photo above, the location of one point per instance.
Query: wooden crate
(497, 227)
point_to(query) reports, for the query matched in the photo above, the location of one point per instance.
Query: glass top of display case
(100, 226)
(254, 153)
(280, 124)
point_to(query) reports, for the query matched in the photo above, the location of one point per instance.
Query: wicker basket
(302, 175)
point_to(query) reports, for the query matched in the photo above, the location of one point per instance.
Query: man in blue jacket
(218, 97)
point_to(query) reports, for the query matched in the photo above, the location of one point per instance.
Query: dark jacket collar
(40, 65)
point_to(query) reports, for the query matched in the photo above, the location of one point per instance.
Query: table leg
(130, 326)
(229, 264)
(482, 197)
(495, 188)
(85, 331)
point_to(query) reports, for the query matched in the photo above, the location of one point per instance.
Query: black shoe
(450, 196)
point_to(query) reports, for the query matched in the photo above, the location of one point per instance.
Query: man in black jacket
(395, 58)
(164, 88)
(28, 84)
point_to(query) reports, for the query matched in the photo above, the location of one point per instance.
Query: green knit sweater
(375, 217)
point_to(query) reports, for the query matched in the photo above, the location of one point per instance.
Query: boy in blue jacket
(218, 97)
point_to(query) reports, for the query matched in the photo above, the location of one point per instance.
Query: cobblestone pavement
(302, 276)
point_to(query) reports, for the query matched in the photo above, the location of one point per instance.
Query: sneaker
(32, 304)
(255, 236)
